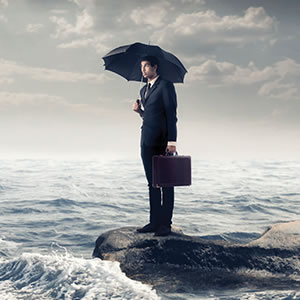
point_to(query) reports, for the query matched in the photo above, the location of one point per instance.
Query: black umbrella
(125, 61)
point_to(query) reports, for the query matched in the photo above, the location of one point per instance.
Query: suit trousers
(161, 199)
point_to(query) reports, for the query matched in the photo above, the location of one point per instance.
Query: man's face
(148, 71)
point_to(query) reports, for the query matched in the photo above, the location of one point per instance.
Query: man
(157, 107)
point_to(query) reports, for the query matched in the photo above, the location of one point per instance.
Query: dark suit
(159, 127)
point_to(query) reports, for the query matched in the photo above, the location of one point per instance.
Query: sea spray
(56, 276)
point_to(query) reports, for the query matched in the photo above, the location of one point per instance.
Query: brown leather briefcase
(171, 170)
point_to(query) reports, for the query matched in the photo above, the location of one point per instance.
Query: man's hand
(171, 149)
(136, 106)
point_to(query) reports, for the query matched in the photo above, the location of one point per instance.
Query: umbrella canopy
(125, 61)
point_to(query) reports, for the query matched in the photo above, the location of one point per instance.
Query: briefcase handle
(168, 153)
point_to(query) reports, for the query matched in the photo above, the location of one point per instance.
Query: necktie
(147, 89)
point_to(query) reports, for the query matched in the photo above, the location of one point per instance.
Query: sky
(240, 98)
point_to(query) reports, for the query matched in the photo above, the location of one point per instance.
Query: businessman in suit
(157, 107)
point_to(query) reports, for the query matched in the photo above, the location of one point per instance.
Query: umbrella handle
(140, 86)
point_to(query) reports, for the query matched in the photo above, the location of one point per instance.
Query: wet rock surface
(182, 263)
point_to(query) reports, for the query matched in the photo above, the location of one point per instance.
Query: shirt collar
(153, 81)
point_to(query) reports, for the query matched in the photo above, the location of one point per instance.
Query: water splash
(62, 276)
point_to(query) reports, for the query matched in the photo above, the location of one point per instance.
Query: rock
(182, 263)
(283, 236)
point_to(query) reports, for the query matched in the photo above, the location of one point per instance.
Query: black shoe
(163, 230)
(147, 228)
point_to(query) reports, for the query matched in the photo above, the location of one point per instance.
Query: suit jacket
(159, 115)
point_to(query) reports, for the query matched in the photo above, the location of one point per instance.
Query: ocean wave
(8, 247)
(291, 194)
(66, 202)
(60, 202)
(62, 276)
(25, 210)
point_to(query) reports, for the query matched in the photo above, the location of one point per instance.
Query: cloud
(45, 103)
(226, 73)
(10, 68)
(280, 80)
(202, 2)
(84, 3)
(3, 4)
(119, 21)
(82, 33)
(204, 30)
(34, 28)
(181, 25)
(154, 16)
(58, 11)
(83, 25)
(18, 99)
(6, 80)
(287, 67)
(79, 43)
(103, 25)
(96, 42)
(278, 90)
(3, 19)
(99, 25)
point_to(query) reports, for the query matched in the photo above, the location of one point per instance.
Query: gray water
(52, 211)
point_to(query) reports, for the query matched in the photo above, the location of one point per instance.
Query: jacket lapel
(145, 99)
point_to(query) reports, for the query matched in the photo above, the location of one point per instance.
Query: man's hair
(152, 60)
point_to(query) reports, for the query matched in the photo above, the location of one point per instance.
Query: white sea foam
(36, 276)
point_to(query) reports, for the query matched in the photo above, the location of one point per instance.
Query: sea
(53, 210)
